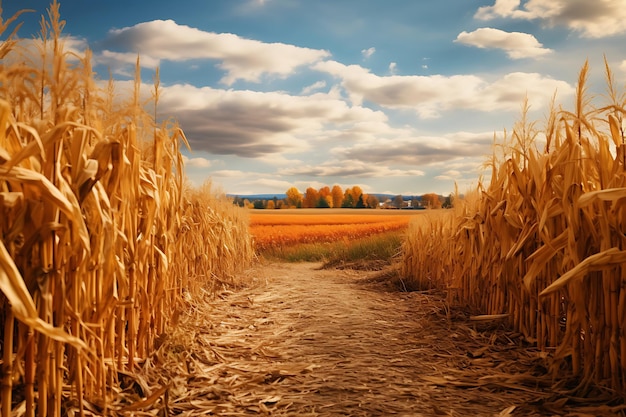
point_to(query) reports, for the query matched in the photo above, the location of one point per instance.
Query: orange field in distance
(288, 227)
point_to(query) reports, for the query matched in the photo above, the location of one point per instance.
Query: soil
(306, 341)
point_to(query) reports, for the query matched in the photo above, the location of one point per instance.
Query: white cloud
(393, 67)
(449, 175)
(593, 19)
(516, 44)
(197, 162)
(229, 173)
(418, 150)
(367, 53)
(255, 124)
(29, 50)
(267, 182)
(241, 58)
(503, 8)
(432, 95)
(315, 86)
(123, 63)
(349, 168)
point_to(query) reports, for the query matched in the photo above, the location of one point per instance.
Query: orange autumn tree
(325, 197)
(311, 198)
(431, 200)
(294, 197)
(337, 195)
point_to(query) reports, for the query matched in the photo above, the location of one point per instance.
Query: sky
(396, 96)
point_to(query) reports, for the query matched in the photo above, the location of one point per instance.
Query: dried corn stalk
(100, 238)
(544, 241)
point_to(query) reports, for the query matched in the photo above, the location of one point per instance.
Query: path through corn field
(303, 341)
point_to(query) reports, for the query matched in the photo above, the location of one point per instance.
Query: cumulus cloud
(516, 44)
(241, 58)
(229, 173)
(264, 182)
(29, 50)
(347, 168)
(197, 162)
(593, 19)
(123, 63)
(393, 67)
(315, 86)
(256, 124)
(449, 175)
(419, 150)
(367, 53)
(431, 95)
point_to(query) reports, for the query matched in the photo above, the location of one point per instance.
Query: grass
(373, 248)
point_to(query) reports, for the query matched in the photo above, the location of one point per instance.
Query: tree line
(336, 197)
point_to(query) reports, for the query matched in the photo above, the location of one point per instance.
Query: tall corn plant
(544, 241)
(95, 228)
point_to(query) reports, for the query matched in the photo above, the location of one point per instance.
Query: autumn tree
(337, 196)
(311, 198)
(325, 194)
(323, 202)
(372, 201)
(348, 199)
(431, 200)
(271, 205)
(356, 193)
(398, 201)
(294, 197)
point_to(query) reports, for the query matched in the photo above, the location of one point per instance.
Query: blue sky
(398, 96)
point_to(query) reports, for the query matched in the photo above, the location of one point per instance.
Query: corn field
(101, 238)
(544, 242)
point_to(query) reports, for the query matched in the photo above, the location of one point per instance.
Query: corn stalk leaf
(608, 258)
(13, 287)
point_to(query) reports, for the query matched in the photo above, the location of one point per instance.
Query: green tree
(360, 203)
(323, 202)
(347, 201)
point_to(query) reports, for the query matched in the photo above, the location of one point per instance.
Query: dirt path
(304, 341)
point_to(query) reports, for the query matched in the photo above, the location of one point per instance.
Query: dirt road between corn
(302, 341)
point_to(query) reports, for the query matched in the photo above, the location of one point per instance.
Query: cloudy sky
(397, 96)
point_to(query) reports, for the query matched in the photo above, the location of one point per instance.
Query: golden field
(289, 227)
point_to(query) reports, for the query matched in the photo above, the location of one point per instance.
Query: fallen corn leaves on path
(308, 342)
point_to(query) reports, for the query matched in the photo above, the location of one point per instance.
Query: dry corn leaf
(609, 257)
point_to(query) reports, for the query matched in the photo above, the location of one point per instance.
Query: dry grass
(544, 241)
(100, 238)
